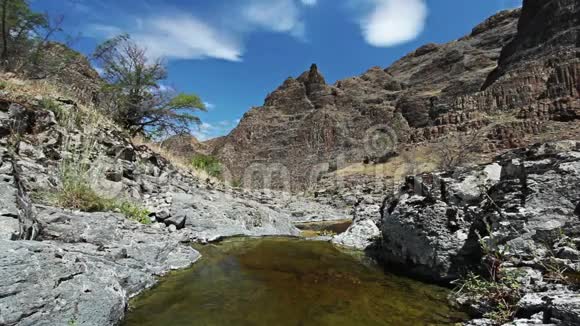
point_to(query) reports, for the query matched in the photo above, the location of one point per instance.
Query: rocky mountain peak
(499, 19)
(545, 29)
(312, 76)
(527, 68)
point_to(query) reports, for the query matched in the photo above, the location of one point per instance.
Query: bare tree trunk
(4, 31)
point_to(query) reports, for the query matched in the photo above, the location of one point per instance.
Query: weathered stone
(162, 215)
(177, 220)
(360, 235)
(85, 270)
(432, 228)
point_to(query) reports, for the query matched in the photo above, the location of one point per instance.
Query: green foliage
(21, 30)
(184, 101)
(501, 294)
(51, 105)
(142, 105)
(207, 163)
(133, 212)
(76, 193)
(237, 183)
(501, 289)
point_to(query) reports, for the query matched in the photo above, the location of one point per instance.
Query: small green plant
(133, 212)
(3, 84)
(500, 289)
(207, 163)
(76, 193)
(500, 294)
(237, 183)
(52, 105)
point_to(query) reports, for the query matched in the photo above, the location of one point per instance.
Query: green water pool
(279, 281)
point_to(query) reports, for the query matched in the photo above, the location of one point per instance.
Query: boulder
(360, 235)
(211, 215)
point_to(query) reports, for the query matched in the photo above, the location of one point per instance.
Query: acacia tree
(141, 104)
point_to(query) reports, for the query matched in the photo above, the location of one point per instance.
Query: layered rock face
(185, 145)
(514, 79)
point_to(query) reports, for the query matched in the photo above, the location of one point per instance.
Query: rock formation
(84, 267)
(514, 79)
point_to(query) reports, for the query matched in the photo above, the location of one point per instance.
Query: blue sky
(232, 53)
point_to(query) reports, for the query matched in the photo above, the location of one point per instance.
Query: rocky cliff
(514, 79)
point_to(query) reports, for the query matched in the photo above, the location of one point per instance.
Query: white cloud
(175, 34)
(103, 30)
(209, 106)
(166, 88)
(99, 70)
(309, 2)
(392, 22)
(275, 15)
(186, 37)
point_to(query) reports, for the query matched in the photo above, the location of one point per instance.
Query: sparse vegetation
(499, 291)
(501, 294)
(142, 105)
(207, 163)
(25, 39)
(458, 149)
(236, 183)
(77, 193)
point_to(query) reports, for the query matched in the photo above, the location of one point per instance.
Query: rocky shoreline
(84, 267)
(519, 215)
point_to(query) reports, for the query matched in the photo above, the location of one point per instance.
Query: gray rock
(481, 322)
(8, 227)
(114, 175)
(360, 235)
(431, 225)
(214, 215)
(176, 220)
(85, 270)
(568, 253)
(566, 308)
(162, 215)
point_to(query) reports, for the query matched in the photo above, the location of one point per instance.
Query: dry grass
(178, 161)
(36, 91)
(414, 160)
(31, 91)
(420, 159)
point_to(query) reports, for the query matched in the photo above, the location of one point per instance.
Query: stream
(286, 281)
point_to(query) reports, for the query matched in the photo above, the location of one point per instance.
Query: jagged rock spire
(312, 77)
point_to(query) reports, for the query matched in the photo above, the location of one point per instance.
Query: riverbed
(284, 281)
